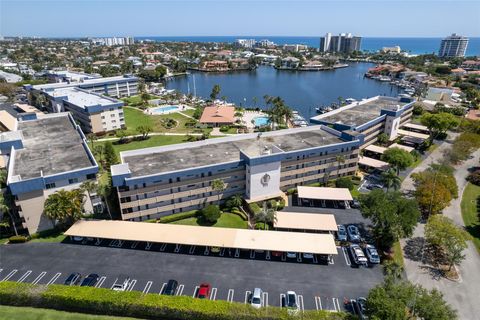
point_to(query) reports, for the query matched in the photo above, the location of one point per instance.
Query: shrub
(17, 239)
(135, 304)
(281, 204)
(291, 191)
(254, 208)
(224, 128)
(211, 213)
(179, 216)
(474, 177)
(272, 204)
(239, 213)
(344, 183)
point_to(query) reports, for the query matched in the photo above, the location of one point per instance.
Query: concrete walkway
(153, 134)
(463, 294)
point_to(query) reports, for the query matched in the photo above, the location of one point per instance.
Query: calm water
(412, 45)
(303, 91)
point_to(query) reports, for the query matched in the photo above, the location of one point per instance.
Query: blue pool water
(164, 109)
(261, 121)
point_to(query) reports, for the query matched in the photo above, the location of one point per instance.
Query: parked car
(170, 288)
(77, 238)
(359, 307)
(374, 186)
(214, 249)
(257, 297)
(203, 291)
(291, 255)
(372, 254)
(355, 204)
(308, 255)
(341, 233)
(121, 283)
(291, 302)
(357, 254)
(90, 280)
(73, 279)
(353, 233)
(277, 254)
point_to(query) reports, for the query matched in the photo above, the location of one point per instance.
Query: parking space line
(180, 290)
(97, 243)
(112, 243)
(300, 302)
(247, 295)
(24, 276)
(147, 287)
(39, 277)
(230, 294)
(207, 251)
(345, 255)
(163, 247)
(8, 276)
(213, 294)
(195, 291)
(282, 298)
(331, 260)
(148, 246)
(318, 303)
(131, 285)
(177, 248)
(134, 245)
(315, 258)
(100, 282)
(120, 243)
(222, 252)
(337, 306)
(284, 256)
(267, 255)
(192, 249)
(299, 257)
(114, 282)
(237, 253)
(265, 299)
(252, 254)
(163, 287)
(54, 278)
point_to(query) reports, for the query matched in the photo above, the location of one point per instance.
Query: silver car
(353, 233)
(358, 255)
(256, 300)
(341, 233)
(372, 254)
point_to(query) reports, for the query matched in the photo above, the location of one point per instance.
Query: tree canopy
(65, 206)
(398, 158)
(215, 92)
(393, 216)
(444, 234)
(211, 213)
(438, 123)
(405, 301)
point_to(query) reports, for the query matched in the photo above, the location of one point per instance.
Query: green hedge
(17, 239)
(179, 216)
(239, 213)
(135, 304)
(254, 208)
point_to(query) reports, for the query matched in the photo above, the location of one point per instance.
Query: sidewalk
(461, 295)
(153, 134)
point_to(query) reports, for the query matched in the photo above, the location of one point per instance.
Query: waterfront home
(290, 63)
(214, 65)
(218, 115)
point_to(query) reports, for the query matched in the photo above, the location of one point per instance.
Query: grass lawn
(26, 313)
(54, 238)
(135, 118)
(152, 141)
(470, 212)
(227, 220)
(397, 253)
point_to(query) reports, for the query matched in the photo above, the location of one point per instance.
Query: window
(50, 185)
(112, 115)
(74, 180)
(103, 117)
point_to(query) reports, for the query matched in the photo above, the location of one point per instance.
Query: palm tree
(145, 97)
(266, 215)
(64, 206)
(340, 160)
(237, 200)
(218, 185)
(390, 179)
(6, 202)
(3, 177)
(92, 137)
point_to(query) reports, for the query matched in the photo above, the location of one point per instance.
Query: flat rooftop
(359, 113)
(85, 82)
(82, 98)
(51, 145)
(214, 151)
(205, 236)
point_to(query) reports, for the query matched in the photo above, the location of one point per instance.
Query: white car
(372, 254)
(308, 255)
(357, 254)
(291, 255)
(291, 303)
(256, 300)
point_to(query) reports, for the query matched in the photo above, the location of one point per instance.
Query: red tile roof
(218, 114)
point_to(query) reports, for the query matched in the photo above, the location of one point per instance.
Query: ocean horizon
(413, 45)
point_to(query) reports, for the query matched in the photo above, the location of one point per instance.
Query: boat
(384, 79)
(350, 100)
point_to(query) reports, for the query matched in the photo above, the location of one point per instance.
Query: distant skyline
(378, 18)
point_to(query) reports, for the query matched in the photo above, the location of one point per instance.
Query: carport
(374, 150)
(370, 163)
(317, 196)
(230, 238)
(416, 128)
(413, 134)
(308, 222)
(401, 146)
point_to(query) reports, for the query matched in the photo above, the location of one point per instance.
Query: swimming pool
(261, 121)
(164, 109)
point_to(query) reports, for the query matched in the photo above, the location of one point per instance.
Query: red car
(204, 291)
(277, 254)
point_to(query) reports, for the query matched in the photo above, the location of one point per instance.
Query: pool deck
(248, 116)
(181, 107)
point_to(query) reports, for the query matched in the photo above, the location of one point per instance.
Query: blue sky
(383, 18)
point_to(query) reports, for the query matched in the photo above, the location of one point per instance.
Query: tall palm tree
(237, 200)
(218, 185)
(390, 179)
(340, 160)
(6, 202)
(266, 215)
(64, 206)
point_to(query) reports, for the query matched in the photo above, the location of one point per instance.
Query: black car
(170, 288)
(73, 279)
(90, 280)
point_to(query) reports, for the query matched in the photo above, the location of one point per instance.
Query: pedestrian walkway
(463, 294)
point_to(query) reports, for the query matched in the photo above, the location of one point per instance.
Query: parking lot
(319, 284)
